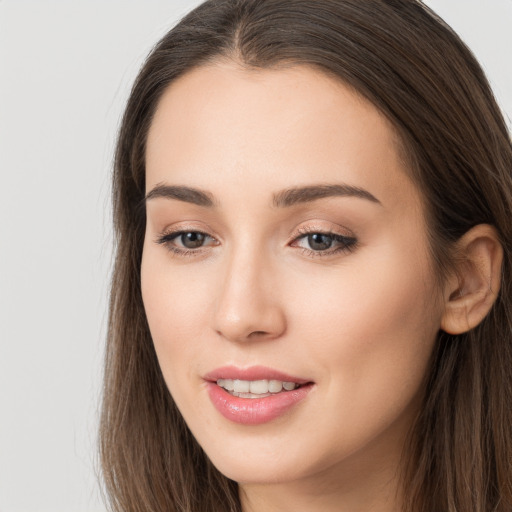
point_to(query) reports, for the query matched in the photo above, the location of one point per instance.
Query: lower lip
(255, 411)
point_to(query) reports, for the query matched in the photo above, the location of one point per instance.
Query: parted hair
(416, 71)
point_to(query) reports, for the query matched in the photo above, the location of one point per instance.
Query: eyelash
(166, 239)
(345, 243)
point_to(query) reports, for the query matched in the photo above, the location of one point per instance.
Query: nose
(248, 307)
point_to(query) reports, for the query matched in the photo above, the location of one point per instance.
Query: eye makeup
(186, 242)
(319, 243)
(313, 242)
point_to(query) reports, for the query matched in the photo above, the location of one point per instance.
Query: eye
(319, 243)
(186, 242)
(191, 239)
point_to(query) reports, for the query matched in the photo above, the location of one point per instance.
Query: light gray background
(65, 72)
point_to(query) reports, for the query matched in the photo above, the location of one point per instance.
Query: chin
(268, 459)
(256, 472)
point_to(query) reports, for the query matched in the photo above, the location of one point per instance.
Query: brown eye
(324, 244)
(180, 242)
(192, 239)
(320, 241)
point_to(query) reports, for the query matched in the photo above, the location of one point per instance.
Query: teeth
(255, 388)
(275, 386)
(258, 387)
(241, 386)
(229, 385)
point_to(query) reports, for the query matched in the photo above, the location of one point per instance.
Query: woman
(311, 303)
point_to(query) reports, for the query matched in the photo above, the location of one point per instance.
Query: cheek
(374, 324)
(172, 295)
(172, 307)
(177, 303)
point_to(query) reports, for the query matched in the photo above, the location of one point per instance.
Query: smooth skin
(355, 311)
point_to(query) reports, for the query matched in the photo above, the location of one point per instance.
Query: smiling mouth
(256, 388)
(255, 395)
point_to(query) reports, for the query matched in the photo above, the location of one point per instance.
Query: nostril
(257, 334)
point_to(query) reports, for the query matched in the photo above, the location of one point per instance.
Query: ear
(472, 289)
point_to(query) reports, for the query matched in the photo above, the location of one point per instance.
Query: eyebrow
(283, 199)
(310, 193)
(181, 193)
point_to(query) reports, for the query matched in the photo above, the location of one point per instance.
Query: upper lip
(252, 373)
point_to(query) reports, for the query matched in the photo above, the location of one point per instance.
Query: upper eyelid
(305, 228)
(332, 229)
(186, 227)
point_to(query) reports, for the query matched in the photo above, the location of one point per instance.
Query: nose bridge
(247, 306)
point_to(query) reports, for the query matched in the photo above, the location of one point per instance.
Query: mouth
(255, 395)
(256, 388)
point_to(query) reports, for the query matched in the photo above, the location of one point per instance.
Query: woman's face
(286, 248)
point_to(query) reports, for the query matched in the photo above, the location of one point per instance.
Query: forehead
(223, 122)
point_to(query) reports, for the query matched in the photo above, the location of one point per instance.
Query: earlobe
(474, 286)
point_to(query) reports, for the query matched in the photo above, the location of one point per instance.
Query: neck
(378, 492)
(367, 481)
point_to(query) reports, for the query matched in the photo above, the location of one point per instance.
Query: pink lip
(251, 373)
(254, 411)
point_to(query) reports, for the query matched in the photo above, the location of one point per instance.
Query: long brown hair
(417, 72)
